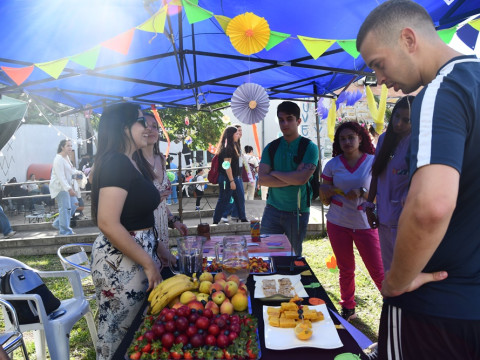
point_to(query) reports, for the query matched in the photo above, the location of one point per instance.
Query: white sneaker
(10, 234)
(224, 220)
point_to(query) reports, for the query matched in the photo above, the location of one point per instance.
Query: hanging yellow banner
(315, 47)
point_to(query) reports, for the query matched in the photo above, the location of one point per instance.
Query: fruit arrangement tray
(258, 265)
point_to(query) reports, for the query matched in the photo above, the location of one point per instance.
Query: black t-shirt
(229, 153)
(142, 198)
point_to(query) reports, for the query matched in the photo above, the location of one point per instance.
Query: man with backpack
(287, 165)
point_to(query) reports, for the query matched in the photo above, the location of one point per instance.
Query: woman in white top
(252, 162)
(61, 187)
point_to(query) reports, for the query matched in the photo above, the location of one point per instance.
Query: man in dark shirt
(432, 289)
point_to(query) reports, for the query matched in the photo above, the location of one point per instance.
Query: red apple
(195, 304)
(213, 307)
(234, 278)
(219, 276)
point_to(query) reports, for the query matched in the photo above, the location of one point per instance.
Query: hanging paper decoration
(194, 12)
(469, 35)
(331, 263)
(171, 176)
(250, 103)
(223, 22)
(322, 110)
(475, 24)
(120, 43)
(372, 106)
(331, 120)
(315, 47)
(188, 140)
(88, 58)
(248, 33)
(255, 137)
(275, 39)
(382, 106)
(212, 149)
(160, 123)
(447, 34)
(350, 46)
(18, 75)
(226, 165)
(156, 23)
(187, 121)
(53, 68)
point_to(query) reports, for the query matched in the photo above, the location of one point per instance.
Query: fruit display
(168, 290)
(257, 265)
(188, 332)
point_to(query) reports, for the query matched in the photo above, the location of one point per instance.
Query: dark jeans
(276, 221)
(231, 209)
(224, 196)
(199, 195)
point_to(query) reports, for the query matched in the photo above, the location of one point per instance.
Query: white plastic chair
(77, 261)
(56, 332)
(13, 339)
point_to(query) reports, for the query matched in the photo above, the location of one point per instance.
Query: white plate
(325, 335)
(296, 283)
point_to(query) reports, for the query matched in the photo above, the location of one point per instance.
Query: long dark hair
(61, 145)
(113, 139)
(391, 139)
(226, 141)
(156, 150)
(365, 141)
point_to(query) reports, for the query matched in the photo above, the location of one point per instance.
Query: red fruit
(181, 324)
(210, 340)
(167, 340)
(232, 336)
(150, 336)
(163, 312)
(202, 323)
(251, 355)
(197, 340)
(169, 315)
(170, 326)
(193, 317)
(227, 355)
(183, 311)
(191, 330)
(222, 341)
(235, 319)
(220, 322)
(147, 348)
(225, 317)
(136, 355)
(140, 338)
(158, 329)
(182, 338)
(187, 355)
(208, 313)
(235, 328)
(214, 329)
(175, 355)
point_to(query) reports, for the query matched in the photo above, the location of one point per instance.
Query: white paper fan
(250, 103)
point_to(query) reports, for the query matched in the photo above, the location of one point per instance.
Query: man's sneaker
(348, 314)
(197, 208)
(224, 220)
(10, 234)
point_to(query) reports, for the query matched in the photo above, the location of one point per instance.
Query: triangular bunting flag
(315, 47)
(194, 12)
(372, 105)
(156, 23)
(332, 114)
(350, 46)
(18, 75)
(475, 24)
(382, 106)
(179, 2)
(223, 21)
(53, 68)
(88, 58)
(120, 43)
(447, 34)
(275, 39)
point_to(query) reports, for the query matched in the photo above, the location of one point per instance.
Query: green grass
(316, 250)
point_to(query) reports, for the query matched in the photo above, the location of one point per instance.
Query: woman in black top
(124, 261)
(229, 180)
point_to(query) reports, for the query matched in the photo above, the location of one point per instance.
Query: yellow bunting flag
(156, 23)
(382, 106)
(88, 58)
(194, 12)
(18, 75)
(475, 24)
(372, 105)
(120, 43)
(332, 115)
(223, 21)
(315, 47)
(53, 68)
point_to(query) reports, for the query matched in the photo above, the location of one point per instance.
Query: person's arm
(110, 205)
(297, 177)
(177, 224)
(230, 173)
(423, 223)
(266, 179)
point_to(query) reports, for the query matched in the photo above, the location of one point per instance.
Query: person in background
(5, 226)
(173, 197)
(199, 188)
(155, 160)
(373, 135)
(61, 187)
(431, 292)
(33, 189)
(344, 181)
(289, 195)
(124, 262)
(252, 162)
(229, 180)
(389, 184)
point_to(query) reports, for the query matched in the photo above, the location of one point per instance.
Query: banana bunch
(169, 289)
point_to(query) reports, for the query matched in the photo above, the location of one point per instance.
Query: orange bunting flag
(160, 123)
(120, 43)
(18, 75)
(332, 264)
(255, 136)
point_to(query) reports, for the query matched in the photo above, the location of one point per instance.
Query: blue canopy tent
(188, 65)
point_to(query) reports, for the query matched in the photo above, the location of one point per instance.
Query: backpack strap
(272, 149)
(302, 149)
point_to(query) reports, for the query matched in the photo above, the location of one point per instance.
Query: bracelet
(172, 221)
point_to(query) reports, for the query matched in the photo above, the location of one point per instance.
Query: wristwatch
(363, 191)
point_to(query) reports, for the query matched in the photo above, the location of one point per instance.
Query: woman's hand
(153, 275)
(181, 227)
(71, 192)
(164, 194)
(165, 256)
(233, 186)
(372, 218)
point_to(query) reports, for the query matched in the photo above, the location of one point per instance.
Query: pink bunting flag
(120, 43)
(18, 75)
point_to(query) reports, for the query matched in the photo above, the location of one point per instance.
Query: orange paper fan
(248, 33)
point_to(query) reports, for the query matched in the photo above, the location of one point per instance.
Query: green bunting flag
(194, 12)
(447, 34)
(275, 39)
(350, 46)
(87, 58)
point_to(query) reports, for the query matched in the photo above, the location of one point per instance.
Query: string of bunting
(255, 37)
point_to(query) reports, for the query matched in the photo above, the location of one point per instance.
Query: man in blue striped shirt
(432, 291)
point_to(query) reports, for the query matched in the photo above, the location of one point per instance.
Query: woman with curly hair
(229, 179)
(344, 182)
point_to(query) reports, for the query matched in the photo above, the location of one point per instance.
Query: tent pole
(317, 117)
